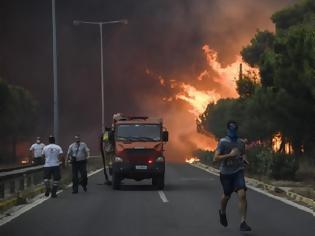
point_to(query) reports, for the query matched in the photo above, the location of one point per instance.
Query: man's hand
(234, 153)
(246, 162)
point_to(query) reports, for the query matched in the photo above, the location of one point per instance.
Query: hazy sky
(164, 36)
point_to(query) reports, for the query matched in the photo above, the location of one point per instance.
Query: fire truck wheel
(115, 181)
(158, 181)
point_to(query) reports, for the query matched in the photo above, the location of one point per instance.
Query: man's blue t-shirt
(231, 166)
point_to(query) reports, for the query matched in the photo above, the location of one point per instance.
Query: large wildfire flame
(199, 98)
(225, 76)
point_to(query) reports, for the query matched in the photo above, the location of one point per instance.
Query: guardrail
(12, 182)
(7, 169)
(17, 181)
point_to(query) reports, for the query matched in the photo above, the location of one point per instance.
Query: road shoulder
(283, 195)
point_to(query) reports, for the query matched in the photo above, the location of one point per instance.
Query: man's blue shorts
(233, 183)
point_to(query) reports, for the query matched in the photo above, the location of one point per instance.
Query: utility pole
(55, 75)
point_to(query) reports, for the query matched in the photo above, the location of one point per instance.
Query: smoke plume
(147, 63)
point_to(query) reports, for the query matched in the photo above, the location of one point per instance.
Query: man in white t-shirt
(52, 154)
(37, 149)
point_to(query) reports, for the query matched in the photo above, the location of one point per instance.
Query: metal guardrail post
(2, 191)
(12, 186)
(21, 183)
(29, 181)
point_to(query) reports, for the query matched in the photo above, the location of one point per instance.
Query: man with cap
(77, 155)
(37, 149)
(230, 154)
(52, 153)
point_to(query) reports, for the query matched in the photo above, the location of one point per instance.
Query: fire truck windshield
(138, 132)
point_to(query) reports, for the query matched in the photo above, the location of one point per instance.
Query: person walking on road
(230, 154)
(37, 149)
(77, 154)
(52, 154)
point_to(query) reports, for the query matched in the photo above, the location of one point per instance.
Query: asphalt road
(189, 206)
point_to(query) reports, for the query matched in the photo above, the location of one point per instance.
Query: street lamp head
(76, 22)
(124, 21)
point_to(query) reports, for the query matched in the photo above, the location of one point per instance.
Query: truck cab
(138, 150)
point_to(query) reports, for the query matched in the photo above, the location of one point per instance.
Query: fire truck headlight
(160, 159)
(118, 159)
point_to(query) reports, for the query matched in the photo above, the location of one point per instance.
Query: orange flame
(199, 100)
(276, 144)
(192, 160)
(225, 76)
(224, 80)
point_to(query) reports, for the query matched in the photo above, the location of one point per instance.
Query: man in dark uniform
(78, 153)
(230, 154)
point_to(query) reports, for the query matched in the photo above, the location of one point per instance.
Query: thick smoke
(163, 36)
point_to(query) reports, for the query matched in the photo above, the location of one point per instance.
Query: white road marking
(95, 172)
(284, 200)
(163, 196)
(19, 210)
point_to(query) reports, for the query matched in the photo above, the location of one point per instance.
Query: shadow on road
(137, 187)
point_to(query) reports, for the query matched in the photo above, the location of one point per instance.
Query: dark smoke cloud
(165, 36)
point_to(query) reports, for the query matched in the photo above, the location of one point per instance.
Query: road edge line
(41, 198)
(284, 200)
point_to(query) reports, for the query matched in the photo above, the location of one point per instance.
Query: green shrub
(284, 166)
(263, 162)
(260, 159)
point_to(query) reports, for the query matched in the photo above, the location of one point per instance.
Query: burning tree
(284, 101)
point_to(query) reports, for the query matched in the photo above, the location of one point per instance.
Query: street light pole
(56, 108)
(102, 78)
(100, 24)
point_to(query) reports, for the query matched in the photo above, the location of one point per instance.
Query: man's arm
(245, 159)
(219, 157)
(87, 150)
(68, 156)
(31, 148)
(60, 155)
(243, 152)
(31, 153)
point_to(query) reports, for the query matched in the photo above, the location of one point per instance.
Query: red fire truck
(138, 149)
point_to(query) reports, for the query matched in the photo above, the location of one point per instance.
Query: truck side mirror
(165, 136)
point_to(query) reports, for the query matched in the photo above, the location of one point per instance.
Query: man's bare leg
(222, 212)
(224, 202)
(242, 204)
(243, 209)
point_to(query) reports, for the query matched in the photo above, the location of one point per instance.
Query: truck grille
(139, 155)
(140, 152)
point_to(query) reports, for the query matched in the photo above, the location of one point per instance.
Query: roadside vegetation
(18, 111)
(275, 109)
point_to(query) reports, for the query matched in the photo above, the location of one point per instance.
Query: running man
(230, 154)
